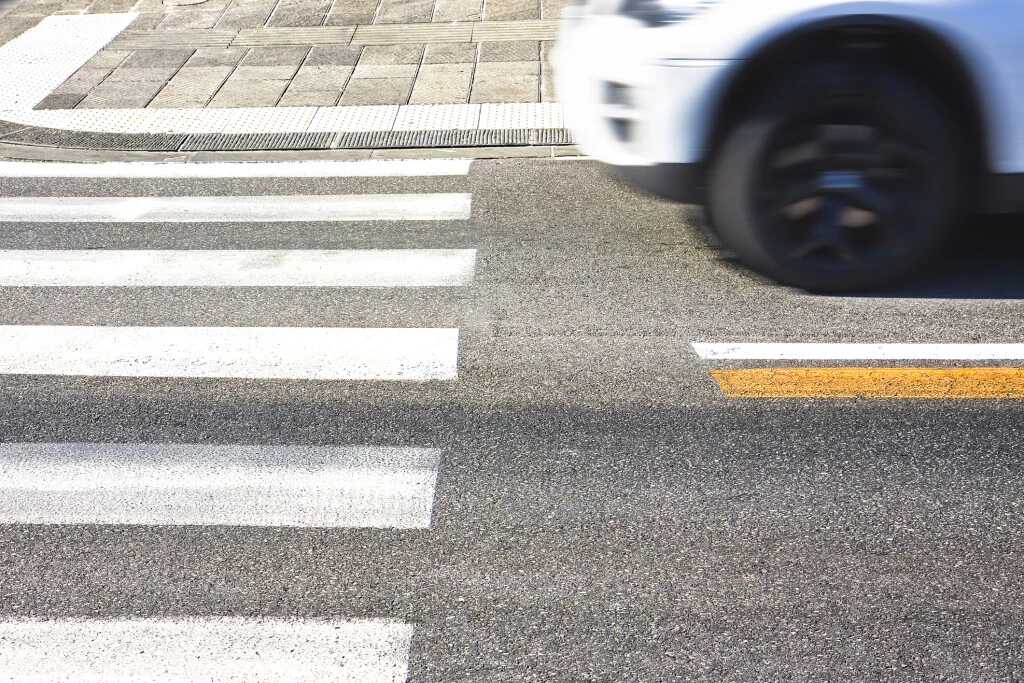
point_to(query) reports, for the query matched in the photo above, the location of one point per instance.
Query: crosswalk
(239, 484)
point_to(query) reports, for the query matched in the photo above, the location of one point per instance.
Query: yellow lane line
(872, 382)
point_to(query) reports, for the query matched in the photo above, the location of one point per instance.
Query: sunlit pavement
(504, 421)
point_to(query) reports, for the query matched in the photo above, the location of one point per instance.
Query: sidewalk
(279, 74)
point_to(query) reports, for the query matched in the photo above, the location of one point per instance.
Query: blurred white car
(836, 144)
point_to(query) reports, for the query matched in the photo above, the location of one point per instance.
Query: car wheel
(841, 177)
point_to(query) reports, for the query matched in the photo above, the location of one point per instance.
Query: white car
(836, 144)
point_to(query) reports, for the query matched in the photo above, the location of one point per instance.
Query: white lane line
(240, 169)
(148, 484)
(284, 268)
(199, 650)
(355, 207)
(417, 355)
(797, 351)
(46, 55)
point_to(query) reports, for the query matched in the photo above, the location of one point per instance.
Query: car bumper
(631, 109)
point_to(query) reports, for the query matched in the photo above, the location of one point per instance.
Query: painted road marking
(987, 383)
(240, 169)
(417, 355)
(149, 484)
(195, 650)
(757, 351)
(46, 55)
(284, 268)
(356, 207)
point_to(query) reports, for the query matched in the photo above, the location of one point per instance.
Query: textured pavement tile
(333, 55)
(299, 13)
(391, 54)
(154, 58)
(215, 56)
(321, 78)
(275, 56)
(506, 82)
(244, 93)
(377, 91)
(385, 71)
(404, 11)
(153, 73)
(189, 19)
(352, 12)
(309, 98)
(552, 9)
(55, 101)
(457, 10)
(450, 53)
(107, 59)
(12, 27)
(442, 84)
(510, 51)
(83, 80)
(251, 15)
(508, 10)
(121, 95)
(263, 73)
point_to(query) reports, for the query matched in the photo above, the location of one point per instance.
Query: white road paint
(239, 169)
(797, 351)
(232, 352)
(148, 484)
(263, 209)
(200, 650)
(40, 59)
(283, 268)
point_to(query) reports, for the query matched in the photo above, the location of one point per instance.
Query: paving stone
(377, 91)
(509, 10)
(552, 9)
(251, 15)
(275, 56)
(140, 59)
(189, 19)
(153, 73)
(385, 71)
(56, 101)
(309, 98)
(547, 83)
(442, 84)
(202, 73)
(146, 21)
(320, 78)
(110, 6)
(12, 27)
(263, 73)
(391, 54)
(450, 53)
(457, 10)
(245, 93)
(215, 56)
(83, 80)
(506, 82)
(404, 11)
(107, 59)
(333, 55)
(352, 12)
(510, 51)
(121, 95)
(194, 90)
(299, 13)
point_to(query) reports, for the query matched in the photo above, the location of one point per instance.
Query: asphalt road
(603, 512)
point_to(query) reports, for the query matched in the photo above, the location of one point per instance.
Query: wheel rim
(843, 188)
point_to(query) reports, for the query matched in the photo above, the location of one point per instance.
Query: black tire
(841, 177)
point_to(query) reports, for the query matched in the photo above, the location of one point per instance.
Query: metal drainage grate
(454, 138)
(256, 141)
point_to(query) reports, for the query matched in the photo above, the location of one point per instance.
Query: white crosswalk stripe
(197, 650)
(148, 484)
(233, 209)
(239, 169)
(221, 268)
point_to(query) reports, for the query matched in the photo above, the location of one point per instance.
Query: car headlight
(654, 12)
